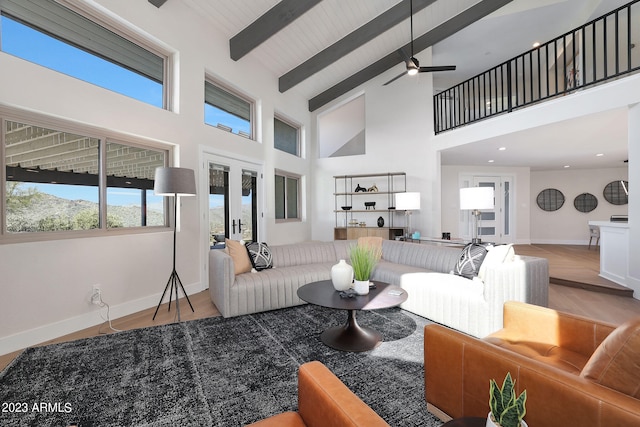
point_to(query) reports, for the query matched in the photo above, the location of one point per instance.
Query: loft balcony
(594, 53)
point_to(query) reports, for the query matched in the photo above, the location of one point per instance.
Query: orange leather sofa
(577, 372)
(324, 401)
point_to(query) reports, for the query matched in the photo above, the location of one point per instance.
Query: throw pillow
(496, 255)
(238, 253)
(614, 364)
(470, 260)
(259, 255)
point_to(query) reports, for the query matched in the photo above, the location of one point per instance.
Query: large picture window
(286, 136)
(287, 197)
(54, 181)
(49, 34)
(227, 110)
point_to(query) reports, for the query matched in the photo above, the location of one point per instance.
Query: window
(227, 111)
(48, 34)
(286, 136)
(54, 181)
(287, 197)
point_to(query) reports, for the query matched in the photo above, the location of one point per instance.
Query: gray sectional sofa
(471, 306)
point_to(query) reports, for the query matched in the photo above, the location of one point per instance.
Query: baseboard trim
(63, 327)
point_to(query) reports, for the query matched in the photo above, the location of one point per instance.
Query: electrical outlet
(96, 295)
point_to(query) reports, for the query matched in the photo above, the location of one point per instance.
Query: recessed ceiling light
(599, 154)
(567, 166)
(491, 161)
(536, 44)
(502, 148)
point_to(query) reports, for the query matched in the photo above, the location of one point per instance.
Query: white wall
(567, 225)
(45, 284)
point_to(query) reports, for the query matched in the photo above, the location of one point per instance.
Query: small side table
(466, 422)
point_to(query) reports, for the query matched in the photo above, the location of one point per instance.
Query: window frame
(238, 94)
(103, 136)
(292, 124)
(121, 29)
(286, 176)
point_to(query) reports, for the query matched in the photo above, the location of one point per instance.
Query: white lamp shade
(408, 201)
(476, 198)
(174, 182)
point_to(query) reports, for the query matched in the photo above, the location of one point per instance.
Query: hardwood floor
(568, 263)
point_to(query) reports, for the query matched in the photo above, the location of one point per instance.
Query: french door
(233, 197)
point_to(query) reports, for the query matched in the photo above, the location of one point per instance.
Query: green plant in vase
(363, 260)
(507, 410)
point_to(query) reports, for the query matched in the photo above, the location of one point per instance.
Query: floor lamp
(474, 199)
(408, 202)
(174, 182)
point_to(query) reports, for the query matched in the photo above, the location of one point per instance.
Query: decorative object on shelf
(363, 260)
(416, 235)
(360, 189)
(363, 224)
(380, 222)
(171, 181)
(550, 199)
(346, 208)
(475, 199)
(507, 410)
(372, 189)
(446, 235)
(617, 192)
(585, 202)
(342, 276)
(369, 205)
(408, 202)
(353, 222)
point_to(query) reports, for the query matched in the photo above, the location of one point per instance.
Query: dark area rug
(213, 372)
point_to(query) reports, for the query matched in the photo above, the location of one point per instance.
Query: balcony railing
(596, 52)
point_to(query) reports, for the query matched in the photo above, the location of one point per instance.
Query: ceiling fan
(413, 66)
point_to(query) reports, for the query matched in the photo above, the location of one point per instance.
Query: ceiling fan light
(412, 71)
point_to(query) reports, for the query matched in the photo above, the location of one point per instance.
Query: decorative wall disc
(585, 202)
(550, 199)
(616, 192)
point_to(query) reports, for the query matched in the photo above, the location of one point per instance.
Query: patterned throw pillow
(260, 255)
(470, 260)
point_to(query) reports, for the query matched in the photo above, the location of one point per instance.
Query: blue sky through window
(26, 43)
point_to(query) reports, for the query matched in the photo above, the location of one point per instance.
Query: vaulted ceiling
(324, 48)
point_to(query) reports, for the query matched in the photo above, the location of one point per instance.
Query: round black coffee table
(466, 422)
(351, 336)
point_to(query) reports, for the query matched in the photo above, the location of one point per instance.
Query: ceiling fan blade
(436, 68)
(395, 78)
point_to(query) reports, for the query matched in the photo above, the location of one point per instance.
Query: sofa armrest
(458, 369)
(544, 325)
(524, 279)
(221, 278)
(324, 401)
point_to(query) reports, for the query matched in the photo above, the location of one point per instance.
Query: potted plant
(363, 259)
(507, 410)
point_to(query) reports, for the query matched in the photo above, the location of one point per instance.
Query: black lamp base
(174, 281)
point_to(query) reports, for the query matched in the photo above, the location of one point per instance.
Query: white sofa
(470, 306)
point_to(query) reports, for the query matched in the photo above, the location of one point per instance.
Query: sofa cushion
(259, 255)
(470, 260)
(615, 362)
(239, 255)
(496, 255)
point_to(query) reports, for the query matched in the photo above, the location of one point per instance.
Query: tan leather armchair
(577, 372)
(324, 401)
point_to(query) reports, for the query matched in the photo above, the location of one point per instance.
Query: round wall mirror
(616, 192)
(585, 202)
(550, 199)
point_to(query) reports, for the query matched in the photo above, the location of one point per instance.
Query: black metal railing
(596, 52)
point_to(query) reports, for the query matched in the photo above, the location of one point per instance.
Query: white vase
(361, 287)
(490, 422)
(342, 275)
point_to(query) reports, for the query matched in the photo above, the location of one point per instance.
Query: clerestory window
(48, 34)
(228, 110)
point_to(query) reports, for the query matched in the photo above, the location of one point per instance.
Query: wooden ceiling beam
(439, 33)
(157, 3)
(349, 43)
(274, 20)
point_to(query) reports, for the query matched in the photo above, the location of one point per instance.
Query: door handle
(239, 226)
(233, 224)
